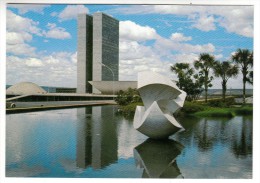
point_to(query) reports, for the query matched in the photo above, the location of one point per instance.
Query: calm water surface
(93, 142)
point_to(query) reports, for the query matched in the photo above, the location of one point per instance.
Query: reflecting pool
(94, 142)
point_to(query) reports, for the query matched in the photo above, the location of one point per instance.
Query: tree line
(194, 83)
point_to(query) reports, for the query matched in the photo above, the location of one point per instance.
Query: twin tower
(98, 50)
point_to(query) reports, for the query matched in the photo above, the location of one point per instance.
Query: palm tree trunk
(244, 86)
(206, 94)
(206, 87)
(244, 91)
(224, 89)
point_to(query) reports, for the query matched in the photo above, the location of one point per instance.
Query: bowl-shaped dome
(25, 88)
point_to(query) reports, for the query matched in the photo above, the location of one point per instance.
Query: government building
(98, 51)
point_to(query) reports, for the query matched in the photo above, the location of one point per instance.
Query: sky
(41, 40)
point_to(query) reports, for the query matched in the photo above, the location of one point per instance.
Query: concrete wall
(84, 72)
(97, 46)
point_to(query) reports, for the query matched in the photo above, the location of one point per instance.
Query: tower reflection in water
(96, 138)
(158, 158)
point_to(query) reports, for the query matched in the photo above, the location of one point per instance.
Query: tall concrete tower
(105, 47)
(98, 50)
(84, 55)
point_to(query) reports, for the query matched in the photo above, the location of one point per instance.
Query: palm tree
(205, 63)
(225, 70)
(244, 58)
(250, 77)
(250, 74)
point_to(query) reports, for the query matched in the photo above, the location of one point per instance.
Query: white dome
(25, 88)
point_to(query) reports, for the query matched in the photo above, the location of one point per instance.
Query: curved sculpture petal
(161, 98)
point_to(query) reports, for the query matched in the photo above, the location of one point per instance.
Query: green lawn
(203, 110)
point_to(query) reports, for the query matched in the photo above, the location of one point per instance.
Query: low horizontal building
(31, 92)
(112, 87)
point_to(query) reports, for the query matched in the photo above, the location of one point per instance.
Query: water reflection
(207, 133)
(93, 142)
(242, 139)
(96, 137)
(218, 147)
(158, 158)
(205, 136)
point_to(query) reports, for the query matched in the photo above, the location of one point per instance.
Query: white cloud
(74, 58)
(179, 37)
(20, 31)
(51, 25)
(205, 23)
(130, 50)
(128, 70)
(52, 60)
(135, 55)
(33, 62)
(18, 38)
(22, 49)
(131, 31)
(166, 45)
(235, 19)
(71, 12)
(218, 56)
(238, 20)
(56, 32)
(24, 8)
(184, 58)
(56, 69)
(161, 9)
(16, 23)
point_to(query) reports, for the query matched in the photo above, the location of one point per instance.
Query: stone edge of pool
(53, 107)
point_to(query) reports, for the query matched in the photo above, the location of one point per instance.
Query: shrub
(192, 107)
(220, 103)
(128, 111)
(127, 97)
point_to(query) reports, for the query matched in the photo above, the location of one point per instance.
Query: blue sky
(42, 39)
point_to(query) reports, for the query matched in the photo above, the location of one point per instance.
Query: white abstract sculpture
(161, 98)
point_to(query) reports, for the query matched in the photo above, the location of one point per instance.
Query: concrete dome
(25, 88)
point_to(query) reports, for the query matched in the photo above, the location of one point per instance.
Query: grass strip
(215, 113)
(243, 111)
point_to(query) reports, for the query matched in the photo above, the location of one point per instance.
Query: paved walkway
(39, 106)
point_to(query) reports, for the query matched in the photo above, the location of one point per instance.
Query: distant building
(98, 50)
(65, 90)
(25, 88)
